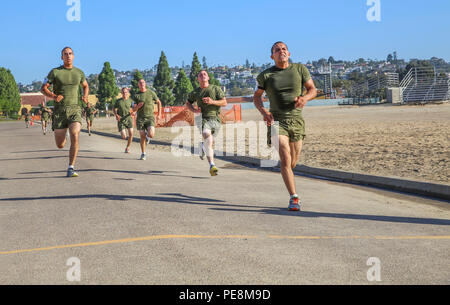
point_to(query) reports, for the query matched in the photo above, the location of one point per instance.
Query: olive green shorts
(293, 128)
(213, 124)
(125, 123)
(90, 118)
(45, 118)
(64, 117)
(145, 123)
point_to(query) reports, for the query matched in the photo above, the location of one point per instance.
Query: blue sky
(131, 34)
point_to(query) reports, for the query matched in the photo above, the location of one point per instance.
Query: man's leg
(209, 141)
(143, 143)
(284, 150)
(209, 151)
(130, 137)
(60, 138)
(74, 131)
(123, 134)
(296, 150)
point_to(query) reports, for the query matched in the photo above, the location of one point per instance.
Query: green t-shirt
(123, 107)
(212, 91)
(282, 87)
(66, 82)
(148, 98)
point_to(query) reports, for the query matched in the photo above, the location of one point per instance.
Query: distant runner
(283, 84)
(66, 80)
(28, 119)
(123, 111)
(209, 99)
(90, 112)
(145, 102)
(45, 113)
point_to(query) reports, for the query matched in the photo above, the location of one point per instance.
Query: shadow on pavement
(220, 205)
(306, 214)
(147, 173)
(178, 198)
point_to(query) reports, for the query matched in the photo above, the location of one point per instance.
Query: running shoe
(143, 157)
(71, 173)
(127, 150)
(294, 204)
(213, 170)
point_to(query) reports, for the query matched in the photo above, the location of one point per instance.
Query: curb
(439, 191)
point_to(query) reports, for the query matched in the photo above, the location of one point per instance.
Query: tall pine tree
(182, 88)
(9, 93)
(137, 76)
(196, 67)
(107, 88)
(163, 82)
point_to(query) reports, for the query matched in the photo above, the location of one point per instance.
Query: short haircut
(275, 44)
(65, 48)
(125, 88)
(202, 70)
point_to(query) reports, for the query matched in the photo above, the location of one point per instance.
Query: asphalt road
(166, 221)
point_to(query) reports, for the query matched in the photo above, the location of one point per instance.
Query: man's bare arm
(257, 100)
(45, 91)
(190, 107)
(301, 101)
(85, 86)
(158, 102)
(210, 101)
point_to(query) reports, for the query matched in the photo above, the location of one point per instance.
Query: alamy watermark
(74, 12)
(232, 140)
(374, 12)
(374, 272)
(73, 274)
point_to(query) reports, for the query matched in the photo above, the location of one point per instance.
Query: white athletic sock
(294, 196)
(71, 166)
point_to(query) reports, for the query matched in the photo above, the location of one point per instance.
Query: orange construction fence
(170, 115)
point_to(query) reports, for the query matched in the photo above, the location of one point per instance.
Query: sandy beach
(411, 142)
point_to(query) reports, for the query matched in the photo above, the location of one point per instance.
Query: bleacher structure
(424, 84)
(374, 83)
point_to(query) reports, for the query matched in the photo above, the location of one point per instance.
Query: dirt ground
(410, 142)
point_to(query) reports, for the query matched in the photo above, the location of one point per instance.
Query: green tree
(9, 93)
(182, 88)
(163, 82)
(137, 76)
(205, 65)
(389, 58)
(196, 67)
(93, 83)
(212, 79)
(107, 88)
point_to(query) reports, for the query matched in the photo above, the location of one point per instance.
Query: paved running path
(166, 221)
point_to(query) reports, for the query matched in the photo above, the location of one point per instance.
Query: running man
(283, 84)
(146, 123)
(209, 99)
(28, 119)
(123, 111)
(67, 113)
(45, 113)
(90, 113)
